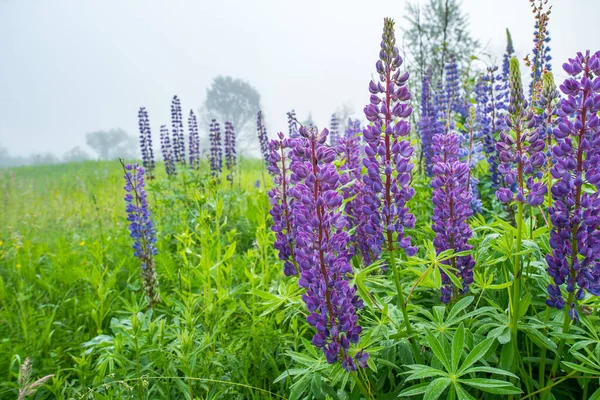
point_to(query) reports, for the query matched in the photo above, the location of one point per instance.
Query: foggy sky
(71, 67)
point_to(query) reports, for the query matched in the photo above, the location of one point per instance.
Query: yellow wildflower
(18, 266)
(81, 243)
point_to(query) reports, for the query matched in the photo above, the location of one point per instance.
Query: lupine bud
(141, 228)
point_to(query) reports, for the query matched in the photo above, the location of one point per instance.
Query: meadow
(447, 252)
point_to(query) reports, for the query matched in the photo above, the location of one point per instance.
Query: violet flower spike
(284, 222)
(575, 236)
(216, 152)
(230, 150)
(322, 250)
(167, 151)
(146, 142)
(141, 228)
(194, 141)
(177, 124)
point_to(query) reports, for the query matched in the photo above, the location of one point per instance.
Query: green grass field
(71, 298)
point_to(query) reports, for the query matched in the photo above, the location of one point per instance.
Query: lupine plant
(292, 124)
(263, 138)
(194, 141)
(388, 162)
(230, 150)
(141, 228)
(167, 151)
(216, 152)
(334, 133)
(146, 142)
(177, 125)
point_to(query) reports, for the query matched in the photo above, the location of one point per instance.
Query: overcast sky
(71, 67)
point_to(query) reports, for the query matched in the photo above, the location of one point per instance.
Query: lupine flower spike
(216, 163)
(452, 199)
(194, 144)
(146, 142)
(141, 228)
(334, 133)
(575, 235)
(178, 138)
(167, 151)
(230, 150)
(322, 250)
(284, 222)
(292, 124)
(263, 138)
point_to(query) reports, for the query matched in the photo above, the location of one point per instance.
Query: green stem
(409, 331)
(542, 372)
(516, 296)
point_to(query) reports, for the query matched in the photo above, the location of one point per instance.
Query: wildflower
(141, 228)
(177, 124)
(575, 235)
(167, 151)
(216, 155)
(292, 124)
(263, 138)
(334, 134)
(322, 248)
(146, 142)
(82, 243)
(194, 141)
(388, 156)
(282, 201)
(522, 155)
(230, 150)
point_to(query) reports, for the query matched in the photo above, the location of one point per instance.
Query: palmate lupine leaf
(457, 376)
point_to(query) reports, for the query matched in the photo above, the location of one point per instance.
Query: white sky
(69, 67)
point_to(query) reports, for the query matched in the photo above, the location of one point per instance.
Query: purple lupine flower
(471, 152)
(263, 138)
(322, 249)
(388, 152)
(452, 209)
(427, 123)
(503, 88)
(575, 235)
(292, 124)
(284, 223)
(177, 124)
(548, 103)
(194, 144)
(230, 150)
(167, 151)
(454, 100)
(522, 155)
(334, 133)
(141, 228)
(216, 157)
(490, 115)
(348, 150)
(146, 142)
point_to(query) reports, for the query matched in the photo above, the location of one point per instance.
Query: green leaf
(459, 306)
(458, 342)
(438, 350)
(477, 353)
(436, 388)
(581, 368)
(541, 340)
(461, 393)
(493, 386)
(414, 390)
(595, 395)
(524, 305)
(491, 370)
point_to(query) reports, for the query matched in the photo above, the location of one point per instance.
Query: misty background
(71, 67)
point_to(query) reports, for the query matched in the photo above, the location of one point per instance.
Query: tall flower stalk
(292, 124)
(146, 142)
(141, 228)
(388, 162)
(230, 150)
(177, 125)
(334, 133)
(322, 250)
(427, 123)
(216, 152)
(194, 141)
(167, 151)
(281, 199)
(575, 237)
(522, 158)
(452, 209)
